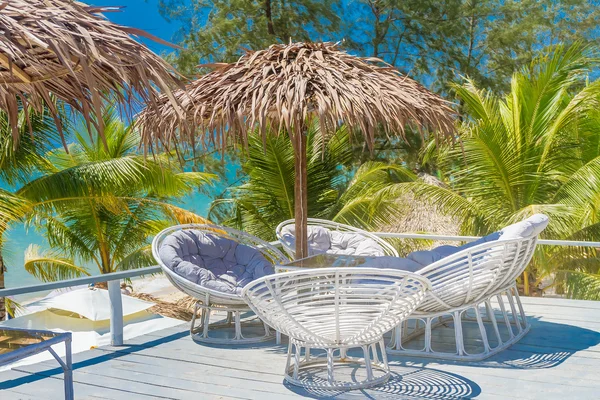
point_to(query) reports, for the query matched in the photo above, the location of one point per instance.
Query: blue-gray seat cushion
(212, 261)
(529, 227)
(323, 240)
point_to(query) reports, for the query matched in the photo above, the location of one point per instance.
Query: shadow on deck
(559, 332)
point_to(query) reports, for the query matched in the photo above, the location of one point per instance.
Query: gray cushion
(318, 238)
(322, 240)
(353, 243)
(529, 227)
(212, 261)
(391, 262)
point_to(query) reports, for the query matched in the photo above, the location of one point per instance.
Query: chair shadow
(404, 383)
(546, 345)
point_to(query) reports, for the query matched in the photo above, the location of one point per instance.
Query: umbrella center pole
(301, 196)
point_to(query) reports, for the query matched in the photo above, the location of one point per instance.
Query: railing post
(116, 313)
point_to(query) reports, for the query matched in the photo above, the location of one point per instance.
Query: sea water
(18, 238)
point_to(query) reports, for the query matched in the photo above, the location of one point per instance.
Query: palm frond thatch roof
(66, 49)
(283, 85)
(418, 216)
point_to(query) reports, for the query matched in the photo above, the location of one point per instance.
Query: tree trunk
(301, 197)
(2, 299)
(269, 15)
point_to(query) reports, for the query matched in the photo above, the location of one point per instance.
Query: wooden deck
(558, 359)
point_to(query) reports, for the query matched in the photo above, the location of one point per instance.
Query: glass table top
(325, 261)
(14, 339)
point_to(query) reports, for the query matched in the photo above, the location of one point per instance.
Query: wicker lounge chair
(336, 309)
(331, 237)
(212, 264)
(474, 283)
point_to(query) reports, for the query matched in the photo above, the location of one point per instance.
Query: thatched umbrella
(67, 50)
(283, 87)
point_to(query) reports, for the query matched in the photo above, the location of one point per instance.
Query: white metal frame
(477, 285)
(45, 345)
(388, 249)
(210, 301)
(336, 309)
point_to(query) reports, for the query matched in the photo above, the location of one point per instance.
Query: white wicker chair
(336, 309)
(464, 287)
(210, 301)
(288, 246)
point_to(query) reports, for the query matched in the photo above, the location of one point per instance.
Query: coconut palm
(100, 204)
(336, 189)
(19, 160)
(534, 150)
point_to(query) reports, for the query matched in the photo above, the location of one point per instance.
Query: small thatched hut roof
(66, 49)
(422, 217)
(283, 85)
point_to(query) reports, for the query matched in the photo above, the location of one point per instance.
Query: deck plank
(558, 359)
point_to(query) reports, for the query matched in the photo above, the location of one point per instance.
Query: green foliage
(100, 205)
(50, 266)
(486, 40)
(18, 161)
(219, 30)
(362, 197)
(435, 41)
(21, 159)
(583, 285)
(534, 150)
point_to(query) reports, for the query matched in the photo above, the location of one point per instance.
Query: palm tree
(117, 201)
(20, 157)
(337, 190)
(534, 150)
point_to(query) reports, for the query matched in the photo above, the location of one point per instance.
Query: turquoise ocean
(18, 238)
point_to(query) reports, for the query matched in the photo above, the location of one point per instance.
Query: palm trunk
(2, 299)
(301, 197)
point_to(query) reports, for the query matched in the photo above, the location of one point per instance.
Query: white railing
(543, 242)
(114, 279)
(114, 294)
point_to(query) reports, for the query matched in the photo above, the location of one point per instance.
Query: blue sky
(143, 14)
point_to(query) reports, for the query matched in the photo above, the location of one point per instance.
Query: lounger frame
(476, 285)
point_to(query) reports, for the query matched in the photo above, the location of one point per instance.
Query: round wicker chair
(336, 309)
(211, 301)
(465, 287)
(289, 246)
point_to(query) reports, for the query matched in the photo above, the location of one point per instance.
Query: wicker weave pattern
(332, 226)
(484, 291)
(336, 306)
(473, 274)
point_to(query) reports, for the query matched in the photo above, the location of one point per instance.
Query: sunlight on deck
(559, 358)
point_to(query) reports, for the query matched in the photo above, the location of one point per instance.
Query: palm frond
(140, 258)
(51, 266)
(102, 202)
(22, 155)
(13, 306)
(582, 285)
(183, 216)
